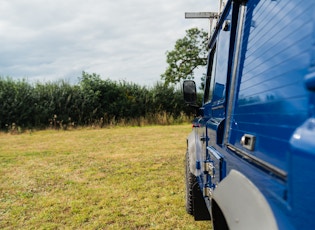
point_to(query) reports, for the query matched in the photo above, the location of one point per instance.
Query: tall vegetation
(189, 53)
(93, 101)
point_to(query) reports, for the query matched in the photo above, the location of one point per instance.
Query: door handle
(248, 141)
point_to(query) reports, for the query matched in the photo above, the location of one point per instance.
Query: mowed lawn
(111, 178)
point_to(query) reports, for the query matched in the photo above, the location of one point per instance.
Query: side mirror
(190, 92)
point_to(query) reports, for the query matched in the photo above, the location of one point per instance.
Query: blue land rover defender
(250, 161)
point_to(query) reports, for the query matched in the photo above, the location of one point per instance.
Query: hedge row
(91, 101)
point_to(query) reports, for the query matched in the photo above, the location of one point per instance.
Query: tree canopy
(189, 53)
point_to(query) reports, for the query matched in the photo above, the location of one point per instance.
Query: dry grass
(118, 178)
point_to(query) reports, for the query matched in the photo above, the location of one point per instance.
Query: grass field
(114, 178)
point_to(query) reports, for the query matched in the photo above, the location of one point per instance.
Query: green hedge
(91, 101)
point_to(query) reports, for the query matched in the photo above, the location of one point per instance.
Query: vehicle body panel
(259, 112)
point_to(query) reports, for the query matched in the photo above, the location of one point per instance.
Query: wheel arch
(242, 205)
(194, 151)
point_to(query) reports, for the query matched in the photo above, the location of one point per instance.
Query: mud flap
(201, 211)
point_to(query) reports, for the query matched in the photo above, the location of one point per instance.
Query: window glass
(221, 66)
(210, 76)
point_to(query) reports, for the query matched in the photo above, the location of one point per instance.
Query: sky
(49, 40)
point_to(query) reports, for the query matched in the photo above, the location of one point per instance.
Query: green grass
(117, 178)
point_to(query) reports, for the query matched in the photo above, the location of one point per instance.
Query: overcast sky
(47, 40)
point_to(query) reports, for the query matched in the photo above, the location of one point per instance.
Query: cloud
(118, 39)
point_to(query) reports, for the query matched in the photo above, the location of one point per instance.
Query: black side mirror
(190, 92)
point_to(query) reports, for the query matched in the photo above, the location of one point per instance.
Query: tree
(189, 53)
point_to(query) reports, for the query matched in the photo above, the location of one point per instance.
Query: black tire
(190, 181)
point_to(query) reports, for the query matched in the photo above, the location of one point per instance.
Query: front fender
(194, 150)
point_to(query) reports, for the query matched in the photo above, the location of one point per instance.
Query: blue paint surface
(274, 101)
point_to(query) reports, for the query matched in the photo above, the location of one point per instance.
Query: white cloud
(118, 39)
